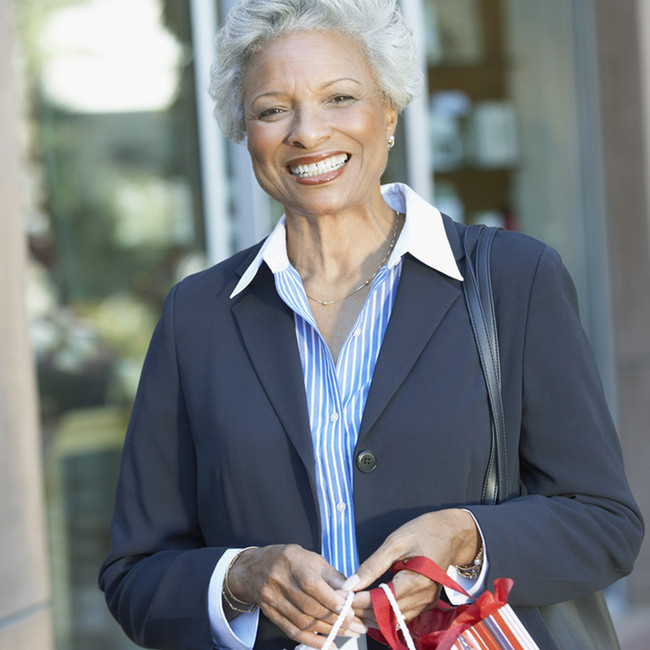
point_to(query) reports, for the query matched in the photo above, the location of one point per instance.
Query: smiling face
(317, 124)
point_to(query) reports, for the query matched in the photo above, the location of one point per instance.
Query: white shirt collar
(423, 236)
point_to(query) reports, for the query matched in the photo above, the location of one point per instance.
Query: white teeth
(321, 167)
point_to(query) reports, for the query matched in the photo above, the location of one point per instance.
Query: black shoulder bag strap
(477, 286)
(581, 623)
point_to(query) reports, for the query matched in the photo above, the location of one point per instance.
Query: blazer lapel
(424, 297)
(267, 328)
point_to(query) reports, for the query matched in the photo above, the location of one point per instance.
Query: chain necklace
(364, 284)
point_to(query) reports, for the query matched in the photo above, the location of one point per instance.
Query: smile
(319, 168)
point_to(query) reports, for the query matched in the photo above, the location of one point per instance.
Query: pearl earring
(391, 142)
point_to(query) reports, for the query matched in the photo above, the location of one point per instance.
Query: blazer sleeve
(576, 527)
(157, 573)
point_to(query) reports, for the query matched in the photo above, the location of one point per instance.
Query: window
(115, 219)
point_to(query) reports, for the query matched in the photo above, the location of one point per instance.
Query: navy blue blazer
(219, 452)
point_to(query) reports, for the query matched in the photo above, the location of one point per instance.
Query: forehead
(307, 57)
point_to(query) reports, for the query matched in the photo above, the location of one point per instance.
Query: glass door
(115, 218)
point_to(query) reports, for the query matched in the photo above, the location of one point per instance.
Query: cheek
(260, 147)
(267, 170)
(367, 127)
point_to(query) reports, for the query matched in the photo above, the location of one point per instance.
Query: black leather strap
(580, 623)
(477, 287)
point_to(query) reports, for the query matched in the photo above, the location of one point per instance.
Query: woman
(317, 400)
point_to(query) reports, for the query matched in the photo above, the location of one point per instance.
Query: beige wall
(24, 595)
(623, 36)
(643, 23)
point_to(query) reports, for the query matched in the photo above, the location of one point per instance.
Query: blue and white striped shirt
(336, 397)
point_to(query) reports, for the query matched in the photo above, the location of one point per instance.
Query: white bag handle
(329, 642)
(401, 622)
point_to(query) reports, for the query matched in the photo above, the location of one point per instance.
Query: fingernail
(351, 582)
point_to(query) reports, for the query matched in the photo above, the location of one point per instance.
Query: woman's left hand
(446, 537)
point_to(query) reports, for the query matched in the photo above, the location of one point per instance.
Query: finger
(414, 593)
(303, 578)
(347, 620)
(295, 624)
(307, 613)
(362, 603)
(362, 606)
(296, 606)
(352, 620)
(315, 596)
(344, 619)
(374, 567)
(310, 638)
(335, 579)
(301, 592)
(440, 535)
(307, 630)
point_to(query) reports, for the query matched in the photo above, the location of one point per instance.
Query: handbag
(485, 622)
(576, 624)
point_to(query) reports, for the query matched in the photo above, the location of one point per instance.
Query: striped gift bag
(486, 623)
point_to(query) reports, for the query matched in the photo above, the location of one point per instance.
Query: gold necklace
(372, 277)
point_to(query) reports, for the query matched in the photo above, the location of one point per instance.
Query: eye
(342, 99)
(270, 113)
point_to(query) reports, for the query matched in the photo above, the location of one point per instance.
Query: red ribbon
(440, 627)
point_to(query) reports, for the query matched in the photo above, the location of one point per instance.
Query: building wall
(624, 65)
(24, 596)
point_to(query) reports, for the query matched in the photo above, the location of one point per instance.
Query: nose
(308, 128)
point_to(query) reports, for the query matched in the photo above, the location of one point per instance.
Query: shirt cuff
(240, 632)
(473, 586)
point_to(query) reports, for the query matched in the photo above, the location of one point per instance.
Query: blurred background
(115, 183)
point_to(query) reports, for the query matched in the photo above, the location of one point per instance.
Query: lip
(318, 179)
(310, 160)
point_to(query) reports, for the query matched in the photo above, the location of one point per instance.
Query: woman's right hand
(296, 589)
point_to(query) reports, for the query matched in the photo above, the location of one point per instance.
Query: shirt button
(334, 417)
(341, 507)
(366, 461)
(357, 333)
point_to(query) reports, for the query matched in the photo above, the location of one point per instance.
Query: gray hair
(377, 25)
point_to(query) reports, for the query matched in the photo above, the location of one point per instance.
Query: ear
(391, 121)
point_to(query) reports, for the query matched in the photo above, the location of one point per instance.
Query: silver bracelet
(473, 569)
(231, 600)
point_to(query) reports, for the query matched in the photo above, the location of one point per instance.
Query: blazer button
(366, 461)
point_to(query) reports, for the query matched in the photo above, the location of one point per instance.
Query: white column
(236, 208)
(24, 590)
(418, 160)
(211, 143)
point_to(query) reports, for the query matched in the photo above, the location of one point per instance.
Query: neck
(340, 247)
(329, 281)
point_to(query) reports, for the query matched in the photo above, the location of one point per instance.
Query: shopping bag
(485, 623)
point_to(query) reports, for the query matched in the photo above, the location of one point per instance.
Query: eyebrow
(331, 83)
(275, 93)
